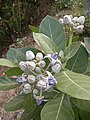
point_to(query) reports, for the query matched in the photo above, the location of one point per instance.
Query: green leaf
(87, 72)
(5, 62)
(84, 115)
(58, 108)
(72, 49)
(83, 105)
(54, 30)
(11, 55)
(78, 63)
(28, 103)
(45, 43)
(50, 95)
(34, 114)
(7, 83)
(74, 84)
(34, 29)
(17, 55)
(15, 104)
(16, 71)
(87, 44)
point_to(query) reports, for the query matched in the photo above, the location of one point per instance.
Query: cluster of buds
(37, 76)
(77, 23)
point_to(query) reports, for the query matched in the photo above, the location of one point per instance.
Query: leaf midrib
(60, 105)
(75, 83)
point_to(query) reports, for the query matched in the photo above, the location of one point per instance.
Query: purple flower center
(39, 101)
(54, 56)
(52, 81)
(20, 80)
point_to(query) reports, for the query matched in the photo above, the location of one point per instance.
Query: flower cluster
(77, 23)
(37, 76)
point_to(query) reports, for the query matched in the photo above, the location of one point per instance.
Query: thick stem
(70, 36)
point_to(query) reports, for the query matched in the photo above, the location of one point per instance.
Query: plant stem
(40, 93)
(70, 36)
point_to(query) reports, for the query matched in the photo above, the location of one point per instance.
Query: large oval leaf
(7, 83)
(78, 63)
(87, 72)
(54, 30)
(29, 102)
(74, 84)
(84, 115)
(45, 43)
(34, 114)
(83, 105)
(5, 62)
(72, 49)
(16, 71)
(87, 44)
(58, 108)
(17, 55)
(15, 103)
(11, 55)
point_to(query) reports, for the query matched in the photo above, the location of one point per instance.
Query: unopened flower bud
(24, 75)
(71, 16)
(27, 88)
(31, 65)
(75, 19)
(67, 19)
(52, 81)
(56, 68)
(39, 56)
(61, 20)
(31, 79)
(21, 80)
(79, 28)
(76, 24)
(23, 65)
(35, 91)
(30, 55)
(39, 99)
(61, 54)
(41, 85)
(81, 20)
(42, 64)
(38, 69)
(49, 88)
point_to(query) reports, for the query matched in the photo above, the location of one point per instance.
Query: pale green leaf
(72, 49)
(74, 84)
(87, 72)
(5, 62)
(7, 83)
(87, 44)
(58, 108)
(11, 55)
(78, 63)
(54, 30)
(45, 43)
(17, 55)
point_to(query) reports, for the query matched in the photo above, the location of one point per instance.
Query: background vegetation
(15, 16)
